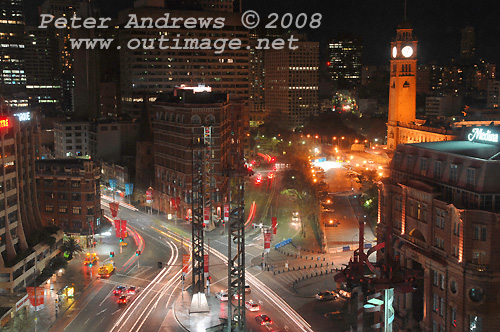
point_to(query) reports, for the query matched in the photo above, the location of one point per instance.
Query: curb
(176, 318)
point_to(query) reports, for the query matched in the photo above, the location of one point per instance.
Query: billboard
(226, 212)
(267, 239)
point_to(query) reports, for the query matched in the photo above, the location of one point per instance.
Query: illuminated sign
(479, 134)
(4, 123)
(25, 116)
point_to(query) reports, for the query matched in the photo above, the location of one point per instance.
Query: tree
(369, 189)
(71, 246)
(23, 321)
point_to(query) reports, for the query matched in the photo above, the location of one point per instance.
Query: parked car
(248, 290)
(119, 290)
(326, 295)
(263, 320)
(334, 315)
(252, 306)
(344, 293)
(222, 295)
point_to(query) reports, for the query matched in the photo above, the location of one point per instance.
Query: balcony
(477, 267)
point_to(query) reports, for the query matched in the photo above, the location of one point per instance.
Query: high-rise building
(74, 139)
(292, 83)
(493, 97)
(182, 119)
(20, 218)
(12, 72)
(217, 5)
(344, 62)
(468, 44)
(438, 212)
(147, 72)
(69, 194)
(43, 70)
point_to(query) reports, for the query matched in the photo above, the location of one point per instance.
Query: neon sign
(479, 134)
(4, 123)
(25, 116)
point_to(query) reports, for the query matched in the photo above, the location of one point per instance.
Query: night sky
(436, 23)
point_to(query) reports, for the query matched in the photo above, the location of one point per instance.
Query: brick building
(178, 123)
(442, 202)
(69, 194)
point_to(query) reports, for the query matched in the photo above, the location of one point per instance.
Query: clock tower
(403, 84)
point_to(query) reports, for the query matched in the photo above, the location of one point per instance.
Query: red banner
(172, 203)
(185, 264)
(267, 240)
(123, 225)
(117, 228)
(39, 295)
(205, 263)
(149, 195)
(274, 221)
(113, 206)
(226, 212)
(206, 215)
(177, 203)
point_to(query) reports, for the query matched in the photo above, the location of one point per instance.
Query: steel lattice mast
(197, 236)
(236, 238)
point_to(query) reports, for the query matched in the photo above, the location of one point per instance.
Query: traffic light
(138, 252)
(111, 254)
(209, 279)
(160, 265)
(203, 224)
(121, 239)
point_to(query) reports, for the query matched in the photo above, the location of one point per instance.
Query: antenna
(405, 12)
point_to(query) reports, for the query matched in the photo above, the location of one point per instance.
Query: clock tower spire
(403, 83)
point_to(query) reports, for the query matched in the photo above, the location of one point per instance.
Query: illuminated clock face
(407, 51)
(394, 52)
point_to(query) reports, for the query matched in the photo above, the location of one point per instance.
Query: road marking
(115, 312)
(100, 312)
(86, 321)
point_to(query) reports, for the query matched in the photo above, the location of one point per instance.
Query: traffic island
(187, 311)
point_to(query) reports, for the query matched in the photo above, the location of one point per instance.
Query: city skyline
(437, 24)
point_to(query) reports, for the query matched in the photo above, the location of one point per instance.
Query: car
(334, 315)
(344, 293)
(91, 259)
(252, 306)
(119, 290)
(222, 295)
(263, 320)
(295, 216)
(332, 223)
(236, 296)
(326, 295)
(248, 290)
(123, 299)
(131, 290)
(258, 180)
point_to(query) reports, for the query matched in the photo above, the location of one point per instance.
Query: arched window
(210, 119)
(195, 119)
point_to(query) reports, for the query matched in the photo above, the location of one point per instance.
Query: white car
(252, 306)
(222, 295)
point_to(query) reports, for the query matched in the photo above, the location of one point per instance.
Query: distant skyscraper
(217, 5)
(468, 43)
(12, 76)
(147, 73)
(43, 70)
(344, 62)
(292, 83)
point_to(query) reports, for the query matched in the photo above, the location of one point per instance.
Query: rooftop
(464, 148)
(188, 97)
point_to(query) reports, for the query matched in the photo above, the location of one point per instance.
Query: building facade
(144, 76)
(292, 83)
(20, 217)
(441, 206)
(181, 118)
(69, 194)
(74, 139)
(344, 62)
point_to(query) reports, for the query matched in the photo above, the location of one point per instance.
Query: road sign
(185, 264)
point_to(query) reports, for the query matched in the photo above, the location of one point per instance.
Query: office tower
(43, 71)
(344, 62)
(292, 83)
(12, 76)
(146, 73)
(468, 44)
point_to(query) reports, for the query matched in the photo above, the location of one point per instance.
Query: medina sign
(482, 135)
